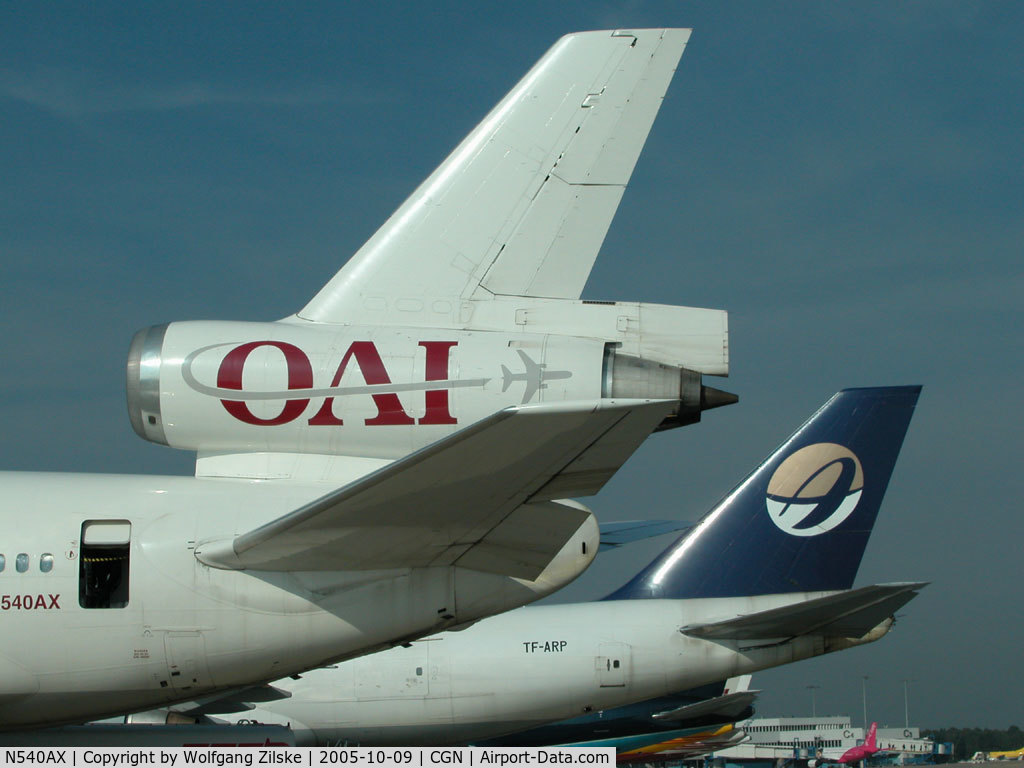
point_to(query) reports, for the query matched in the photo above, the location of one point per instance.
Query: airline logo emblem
(815, 489)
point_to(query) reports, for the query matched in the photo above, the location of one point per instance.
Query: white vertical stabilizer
(523, 204)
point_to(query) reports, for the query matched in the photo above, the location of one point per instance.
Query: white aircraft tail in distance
(367, 473)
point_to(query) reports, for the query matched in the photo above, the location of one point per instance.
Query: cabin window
(46, 562)
(3, 562)
(21, 563)
(103, 564)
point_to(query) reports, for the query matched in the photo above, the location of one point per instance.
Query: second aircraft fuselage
(525, 668)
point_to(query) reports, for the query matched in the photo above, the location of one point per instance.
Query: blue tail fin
(801, 520)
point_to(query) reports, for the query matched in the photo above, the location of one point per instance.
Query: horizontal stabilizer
(436, 505)
(846, 614)
(730, 707)
(627, 531)
(525, 542)
(237, 700)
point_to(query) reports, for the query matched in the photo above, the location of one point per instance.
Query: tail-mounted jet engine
(381, 392)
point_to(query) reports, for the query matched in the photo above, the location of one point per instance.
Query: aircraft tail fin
(871, 741)
(737, 684)
(799, 522)
(522, 205)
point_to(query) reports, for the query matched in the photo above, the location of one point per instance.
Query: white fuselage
(187, 629)
(526, 668)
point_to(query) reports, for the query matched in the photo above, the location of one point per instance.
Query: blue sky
(847, 179)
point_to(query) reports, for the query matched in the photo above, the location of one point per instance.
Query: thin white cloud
(75, 95)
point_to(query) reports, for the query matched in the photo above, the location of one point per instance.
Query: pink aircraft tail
(869, 742)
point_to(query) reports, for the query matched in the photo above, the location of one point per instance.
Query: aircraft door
(613, 665)
(103, 564)
(186, 660)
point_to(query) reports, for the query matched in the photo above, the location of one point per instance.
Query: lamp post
(864, 694)
(814, 709)
(906, 707)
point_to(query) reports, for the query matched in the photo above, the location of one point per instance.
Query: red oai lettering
(300, 376)
(389, 407)
(437, 370)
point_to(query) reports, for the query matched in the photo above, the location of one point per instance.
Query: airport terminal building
(781, 740)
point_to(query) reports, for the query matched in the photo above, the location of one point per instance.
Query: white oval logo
(815, 489)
